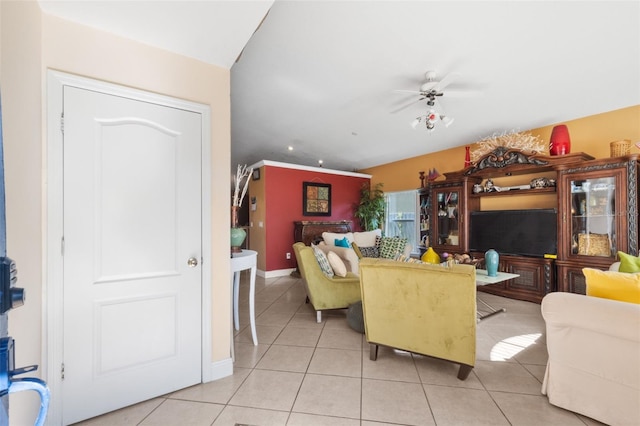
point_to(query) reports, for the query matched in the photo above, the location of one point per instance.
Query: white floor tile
(305, 373)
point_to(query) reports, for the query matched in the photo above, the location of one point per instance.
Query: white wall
(32, 43)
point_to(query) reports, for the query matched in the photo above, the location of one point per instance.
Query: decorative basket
(594, 245)
(620, 148)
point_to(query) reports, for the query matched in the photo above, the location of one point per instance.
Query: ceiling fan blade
(428, 86)
(413, 92)
(447, 80)
(405, 106)
(462, 93)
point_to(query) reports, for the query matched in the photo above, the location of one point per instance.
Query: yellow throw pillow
(620, 286)
(628, 263)
(337, 264)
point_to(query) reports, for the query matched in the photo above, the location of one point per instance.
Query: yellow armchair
(324, 292)
(421, 308)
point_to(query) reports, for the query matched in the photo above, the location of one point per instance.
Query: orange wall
(591, 135)
(282, 206)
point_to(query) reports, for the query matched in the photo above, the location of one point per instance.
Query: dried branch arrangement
(523, 141)
(241, 174)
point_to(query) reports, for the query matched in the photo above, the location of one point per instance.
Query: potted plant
(370, 210)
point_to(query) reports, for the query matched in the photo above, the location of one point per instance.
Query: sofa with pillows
(593, 342)
(350, 247)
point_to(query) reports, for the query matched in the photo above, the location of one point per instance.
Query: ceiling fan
(430, 90)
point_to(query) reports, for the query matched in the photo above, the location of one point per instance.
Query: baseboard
(219, 370)
(275, 273)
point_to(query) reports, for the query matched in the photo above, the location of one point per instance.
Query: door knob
(192, 262)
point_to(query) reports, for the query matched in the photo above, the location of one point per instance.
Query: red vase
(559, 142)
(467, 157)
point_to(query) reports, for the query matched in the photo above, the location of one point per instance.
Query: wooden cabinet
(450, 209)
(309, 231)
(537, 278)
(597, 217)
(597, 203)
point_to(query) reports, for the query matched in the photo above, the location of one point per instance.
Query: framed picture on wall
(316, 199)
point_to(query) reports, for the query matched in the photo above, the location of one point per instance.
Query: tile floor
(304, 373)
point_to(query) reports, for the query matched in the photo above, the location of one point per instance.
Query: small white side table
(247, 259)
(483, 278)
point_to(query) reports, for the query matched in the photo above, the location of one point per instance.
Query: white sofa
(594, 357)
(348, 254)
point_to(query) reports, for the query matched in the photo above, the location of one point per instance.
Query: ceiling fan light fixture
(415, 122)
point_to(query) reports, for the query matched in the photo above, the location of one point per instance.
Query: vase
(430, 256)
(467, 156)
(559, 142)
(237, 238)
(237, 234)
(491, 261)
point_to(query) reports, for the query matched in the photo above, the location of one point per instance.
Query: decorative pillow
(628, 263)
(337, 264)
(366, 238)
(330, 237)
(390, 247)
(323, 261)
(370, 251)
(378, 242)
(620, 286)
(342, 243)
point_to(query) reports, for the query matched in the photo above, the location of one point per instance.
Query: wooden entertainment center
(596, 200)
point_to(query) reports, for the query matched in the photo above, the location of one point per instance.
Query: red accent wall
(283, 195)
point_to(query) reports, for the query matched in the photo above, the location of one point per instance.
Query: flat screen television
(530, 232)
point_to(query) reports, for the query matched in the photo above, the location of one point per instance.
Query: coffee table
(483, 278)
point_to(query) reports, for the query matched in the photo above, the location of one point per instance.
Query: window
(400, 216)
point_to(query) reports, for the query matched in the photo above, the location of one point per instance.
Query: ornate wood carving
(502, 157)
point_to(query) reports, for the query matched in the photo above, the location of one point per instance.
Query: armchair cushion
(620, 286)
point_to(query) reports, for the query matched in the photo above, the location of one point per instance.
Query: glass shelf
(593, 216)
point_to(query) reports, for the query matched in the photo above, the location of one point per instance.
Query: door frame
(53, 297)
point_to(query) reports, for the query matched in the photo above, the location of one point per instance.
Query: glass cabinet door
(447, 221)
(593, 217)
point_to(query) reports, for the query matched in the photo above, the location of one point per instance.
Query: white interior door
(132, 222)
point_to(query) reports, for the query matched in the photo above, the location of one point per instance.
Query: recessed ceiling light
(320, 163)
(290, 148)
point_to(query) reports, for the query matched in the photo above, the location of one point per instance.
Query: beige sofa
(348, 254)
(421, 308)
(594, 357)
